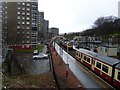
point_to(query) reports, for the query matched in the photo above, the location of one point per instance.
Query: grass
(39, 48)
(32, 81)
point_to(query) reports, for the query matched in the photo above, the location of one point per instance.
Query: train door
(93, 64)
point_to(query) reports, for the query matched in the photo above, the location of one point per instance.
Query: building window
(28, 13)
(98, 65)
(23, 32)
(18, 17)
(28, 9)
(22, 46)
(23, 8)
(28, 36)
(27, 22)
(18, 22)
(23, 27)
(18, 32)
(27, 45)
(23, 3)
(23, 41)
(105, 68)
(33, 23)
(18, 3)
(28, 41)
(27, 32)
(28, 18)
(18, 27)
(27, 27)
(23, 22)
(18, 12)
(28, 4)
(23, 18)
(18, 8)
(23, 13)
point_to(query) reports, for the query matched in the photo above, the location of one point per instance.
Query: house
(107, 50)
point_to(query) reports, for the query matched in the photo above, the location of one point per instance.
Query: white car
(40, 56)
(35, 52)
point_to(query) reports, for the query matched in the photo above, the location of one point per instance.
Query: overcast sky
(76, 15)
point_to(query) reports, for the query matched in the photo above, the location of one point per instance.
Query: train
(107, 68)
(67, 44)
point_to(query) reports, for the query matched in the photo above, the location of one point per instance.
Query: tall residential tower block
(20, 24)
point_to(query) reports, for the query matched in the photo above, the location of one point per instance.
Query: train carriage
(104, 66)
(116, 80)
(69, 45)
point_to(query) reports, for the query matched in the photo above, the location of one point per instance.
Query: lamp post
(67, 65)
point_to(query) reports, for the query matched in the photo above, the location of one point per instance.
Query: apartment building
(46, 28)
(34, 24)
(20, 24)
(0, 34)
(40, 25)
(54, 31)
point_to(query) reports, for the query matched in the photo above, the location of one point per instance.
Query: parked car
(40, 56)
(35, 52)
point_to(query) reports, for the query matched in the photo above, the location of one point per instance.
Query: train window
(85, 58)
(119, 75)
(105, 68)
(98, 65)
(88, 60)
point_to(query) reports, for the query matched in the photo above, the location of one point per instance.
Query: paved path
(65, 77)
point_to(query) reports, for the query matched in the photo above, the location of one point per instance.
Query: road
(88, 79)
(33, 66)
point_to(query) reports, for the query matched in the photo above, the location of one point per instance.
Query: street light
(67, 65)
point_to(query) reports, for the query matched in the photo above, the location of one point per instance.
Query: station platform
(66, 79)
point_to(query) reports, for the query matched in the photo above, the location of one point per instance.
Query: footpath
(65, 78)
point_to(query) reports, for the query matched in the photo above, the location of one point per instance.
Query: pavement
(66, 79)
